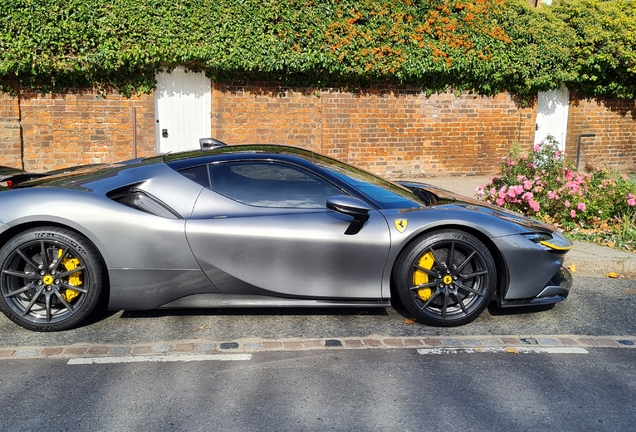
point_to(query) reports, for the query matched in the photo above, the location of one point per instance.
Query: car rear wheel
(50, 279)
(445, 278)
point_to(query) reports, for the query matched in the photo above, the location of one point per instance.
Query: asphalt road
(596, 306)
(331, 388)
(342, 390)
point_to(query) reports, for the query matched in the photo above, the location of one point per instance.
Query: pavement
(584, 258)
(187, 349)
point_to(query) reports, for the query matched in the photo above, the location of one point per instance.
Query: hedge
(485, 46)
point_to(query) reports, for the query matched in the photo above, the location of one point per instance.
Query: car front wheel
(50, 279)
(445, 278)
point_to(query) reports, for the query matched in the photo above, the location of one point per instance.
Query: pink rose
(581, 206)
(572, 213)
(534, 205)
(567, 203)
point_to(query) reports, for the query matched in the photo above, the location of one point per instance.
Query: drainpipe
(134, 132)
(578, 149)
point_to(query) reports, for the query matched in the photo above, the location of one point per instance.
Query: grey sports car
(259, 226)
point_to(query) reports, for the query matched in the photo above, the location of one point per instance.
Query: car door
(262, 228)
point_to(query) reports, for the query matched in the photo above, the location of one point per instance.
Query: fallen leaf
(201, 328)
(410, 321)
(572, 268)
(613, 275)
(512, 351)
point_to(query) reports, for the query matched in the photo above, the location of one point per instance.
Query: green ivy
(484, 46)
(605, 50)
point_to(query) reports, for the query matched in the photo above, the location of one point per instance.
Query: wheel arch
(500, 263)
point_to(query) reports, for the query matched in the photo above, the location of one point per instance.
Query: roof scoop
(210, 143)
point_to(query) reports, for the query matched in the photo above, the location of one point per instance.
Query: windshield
(382, 192)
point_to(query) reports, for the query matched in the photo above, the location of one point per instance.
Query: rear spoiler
(10, 177)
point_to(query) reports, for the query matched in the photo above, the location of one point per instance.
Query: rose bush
(593, 206)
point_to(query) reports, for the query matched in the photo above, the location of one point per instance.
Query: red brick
(293, 345)
(607, 343)
(75, 351)
(184, 347)
(51, 351)
(394, 342)
(412, 342)
(354, 343)
(270, 345)
(142, 350)
(568, 341)
(312, 344)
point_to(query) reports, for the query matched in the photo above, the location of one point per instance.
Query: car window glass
(198, 174)
(380, 191)
(270, 184)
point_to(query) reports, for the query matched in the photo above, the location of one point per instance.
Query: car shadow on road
(495, 310)
(287, 311)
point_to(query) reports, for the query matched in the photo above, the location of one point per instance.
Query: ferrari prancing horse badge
(401, 224)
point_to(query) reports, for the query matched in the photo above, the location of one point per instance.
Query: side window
(270, 184)
(198, 174)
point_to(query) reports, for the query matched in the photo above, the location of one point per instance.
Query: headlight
(554, 240)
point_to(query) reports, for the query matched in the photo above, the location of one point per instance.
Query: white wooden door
(552, 115)
(182, 110)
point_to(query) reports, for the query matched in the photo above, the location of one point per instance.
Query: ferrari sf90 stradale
(259, 226)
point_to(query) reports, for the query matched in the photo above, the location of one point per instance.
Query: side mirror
(353, 207)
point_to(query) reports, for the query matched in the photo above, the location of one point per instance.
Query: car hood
(442, 197)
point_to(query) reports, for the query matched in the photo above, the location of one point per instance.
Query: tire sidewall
(403, 274)
(93, 274)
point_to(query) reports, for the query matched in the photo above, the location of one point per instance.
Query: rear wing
(10, 177)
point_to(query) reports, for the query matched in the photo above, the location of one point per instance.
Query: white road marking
(159, 359)
(509, 350)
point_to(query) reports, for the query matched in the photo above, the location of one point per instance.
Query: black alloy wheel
(445, 278)
(50, 279)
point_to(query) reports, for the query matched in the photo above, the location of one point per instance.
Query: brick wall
(613, 122)
(60, 130)
(10, 141)
(397, 132)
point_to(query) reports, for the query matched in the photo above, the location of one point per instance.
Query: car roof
(187, 159)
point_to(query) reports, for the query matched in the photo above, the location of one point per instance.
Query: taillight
(9, 183)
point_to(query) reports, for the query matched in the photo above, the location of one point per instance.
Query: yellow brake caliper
(420, 278)
(74, 279)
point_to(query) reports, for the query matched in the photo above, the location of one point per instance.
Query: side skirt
(229, 301)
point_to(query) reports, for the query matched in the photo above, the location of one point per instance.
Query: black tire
(445, 278)
(50, 279)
